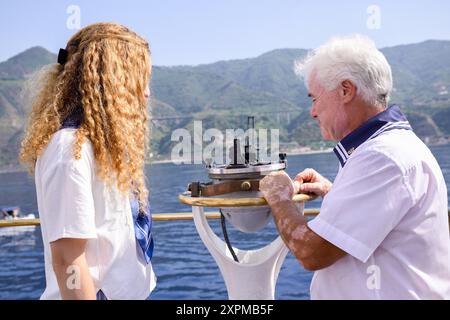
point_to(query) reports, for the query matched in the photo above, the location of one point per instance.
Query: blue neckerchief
(143, 230)
(142, 222)
(390, 119)
(74, 119)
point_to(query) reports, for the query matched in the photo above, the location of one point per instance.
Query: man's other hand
(313, 182)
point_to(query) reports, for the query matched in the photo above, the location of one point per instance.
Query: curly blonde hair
(104, 79)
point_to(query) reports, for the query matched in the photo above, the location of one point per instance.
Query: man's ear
(348, 91)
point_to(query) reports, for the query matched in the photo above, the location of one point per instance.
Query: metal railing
(175, 216)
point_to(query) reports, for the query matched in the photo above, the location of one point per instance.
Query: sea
(184, 267)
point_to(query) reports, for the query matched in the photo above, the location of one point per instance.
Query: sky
(193, 32)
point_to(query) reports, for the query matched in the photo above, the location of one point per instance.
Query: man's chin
(325, 135)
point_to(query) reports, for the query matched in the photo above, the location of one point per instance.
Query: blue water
(184, 268)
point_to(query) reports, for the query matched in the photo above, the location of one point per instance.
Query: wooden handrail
(174, 216)
(232, 202)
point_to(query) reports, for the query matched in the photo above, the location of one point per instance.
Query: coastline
(295, 152)
(306, 152)
(289, 153)
(13, 170)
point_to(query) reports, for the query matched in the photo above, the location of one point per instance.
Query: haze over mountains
(224, 93)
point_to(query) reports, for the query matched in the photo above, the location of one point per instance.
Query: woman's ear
(348, 91)
(147, 92)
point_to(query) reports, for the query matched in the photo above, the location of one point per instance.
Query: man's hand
(313, 251)
(278, 186)
(310, 181)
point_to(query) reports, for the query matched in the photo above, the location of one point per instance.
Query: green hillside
(224, 93)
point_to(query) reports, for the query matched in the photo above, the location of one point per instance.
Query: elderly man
(382, 231)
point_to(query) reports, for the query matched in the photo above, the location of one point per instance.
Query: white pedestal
(255, 276)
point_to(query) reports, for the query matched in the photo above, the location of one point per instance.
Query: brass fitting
(246, 186)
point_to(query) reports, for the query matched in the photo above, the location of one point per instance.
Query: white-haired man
(382, 231)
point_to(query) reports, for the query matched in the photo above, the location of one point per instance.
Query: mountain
(224, 93)
(25, 63)
(271, 72)
(421, 73)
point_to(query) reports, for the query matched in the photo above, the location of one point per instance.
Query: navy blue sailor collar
(390, 119)
(74, 119)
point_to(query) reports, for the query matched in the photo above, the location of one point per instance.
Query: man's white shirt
(388, 210)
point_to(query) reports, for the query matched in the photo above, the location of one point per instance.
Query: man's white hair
(354, 58)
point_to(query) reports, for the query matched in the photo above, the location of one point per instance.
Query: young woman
(86, 143)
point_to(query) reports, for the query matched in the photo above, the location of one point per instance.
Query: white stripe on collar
(390, 119)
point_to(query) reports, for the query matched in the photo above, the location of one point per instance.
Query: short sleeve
(368, 199)
(68, 199)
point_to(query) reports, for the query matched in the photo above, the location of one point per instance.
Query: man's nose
(313, 112)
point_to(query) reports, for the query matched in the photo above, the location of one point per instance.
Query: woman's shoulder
(60, 149)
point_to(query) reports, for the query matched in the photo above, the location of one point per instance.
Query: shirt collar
(74, 119)
(389, 119)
